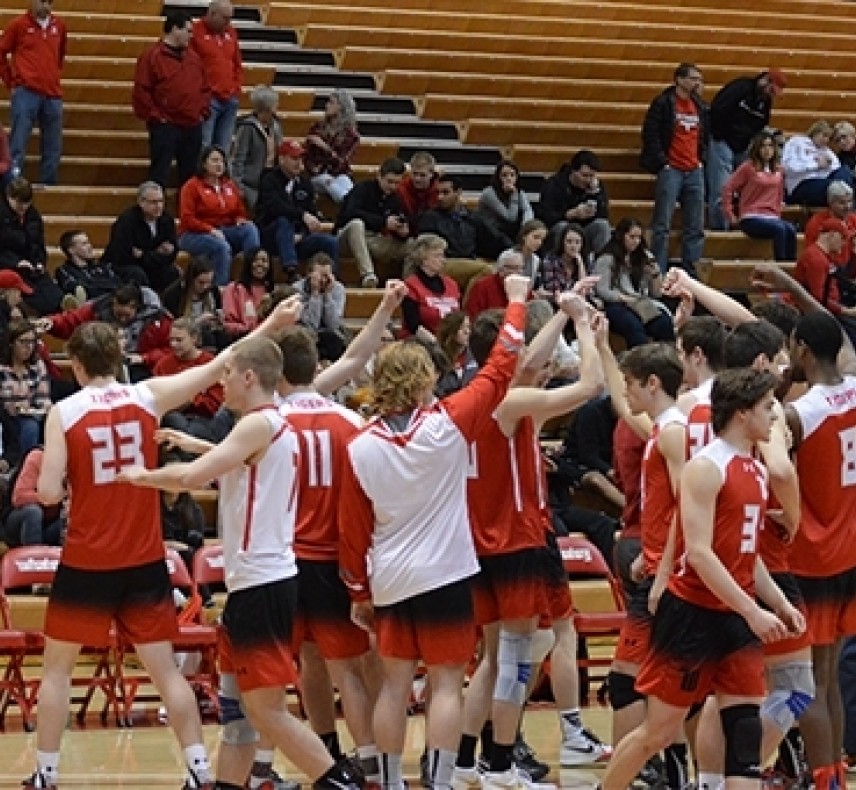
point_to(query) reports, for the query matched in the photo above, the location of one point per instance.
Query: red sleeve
(63, 324)
(812, 227)
(8, 42)
(154, 342)
(356, 524)
(474, 303)
(188, 201)
(141, 97)
(814, 270)
(25, 485)
(234, 297)
(738, 179)
(474, 404)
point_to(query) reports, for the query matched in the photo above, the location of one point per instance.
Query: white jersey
(422, 538)
(258, 503)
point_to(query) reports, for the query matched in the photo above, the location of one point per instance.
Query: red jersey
(699, 429)
(505, 491)
(741, 505)
(111, 525)
(323, 430)
(433, 307)
(221, 57)
(658, 499)
(825, 543)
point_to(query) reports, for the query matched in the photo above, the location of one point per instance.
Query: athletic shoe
(526, 762)
(37, 782)
(275, 782)
(512, 779)
(465, 778)
(583, 748)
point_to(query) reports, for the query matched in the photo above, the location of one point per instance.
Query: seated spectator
(430, 294)
(241, 299)
(758, 185)
(185, 353)
(463, 231)
(286, 214)
(489, 292)
(418, 189)
(630, 282)
(323, 296)
(839, 200)
(371, 224)
(195, 296)
(82, 275)
(145, 326)
(258, 136)
(22, 247)
(12, 291)
(331, 146)
(811, 166)
(183, 524)
(142, 246)
(24, 383)
(453, 337)
(28, 522)
(576, 194)
(565, 264)
(213, 221)
(504, 206)
(529, 243)
(844, 140)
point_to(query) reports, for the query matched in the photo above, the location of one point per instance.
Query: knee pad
(742, 727)
(230, 699)
(514, 659)
(543, 641)
(239, 732)
(622, 690)
(791, 692)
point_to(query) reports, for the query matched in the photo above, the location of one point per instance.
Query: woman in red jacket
(213, 221)
(430, 293)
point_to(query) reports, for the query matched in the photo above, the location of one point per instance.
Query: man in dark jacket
(738, 112)
(674, 144)
(576, 194)
(286, 215)
(82, 275)
(142, 244)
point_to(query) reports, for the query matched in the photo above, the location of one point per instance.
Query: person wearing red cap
(740, 110)
(290, 224)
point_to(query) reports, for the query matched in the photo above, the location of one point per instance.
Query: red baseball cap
(291, 148)
(10, 279)
(832, 225)
(778, 80)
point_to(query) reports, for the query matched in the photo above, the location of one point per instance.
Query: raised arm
(783, 475)
(726, 309)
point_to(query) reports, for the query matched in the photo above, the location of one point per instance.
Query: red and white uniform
(323, 429)
(258, 503)
(699, 429)
(111, 525)
(825, 543)
(741, 505)
(404, 490)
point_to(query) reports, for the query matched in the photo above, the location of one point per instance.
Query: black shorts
(262, 614)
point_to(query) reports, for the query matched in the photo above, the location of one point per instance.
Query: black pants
(168, 142)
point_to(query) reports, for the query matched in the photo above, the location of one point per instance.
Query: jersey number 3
(115, 448)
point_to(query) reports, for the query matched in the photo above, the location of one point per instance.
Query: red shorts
(256, 643)
(324, 613)
(436, 626)
(510, 587)
(83, 605)
(830, 606)
(634, 639)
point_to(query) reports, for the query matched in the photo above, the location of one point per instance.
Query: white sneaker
(583, 748)
(465, 778)
(512, 779)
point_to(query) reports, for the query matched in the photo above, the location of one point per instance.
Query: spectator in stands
(32, 53)
(844, 139)
(630, 282)
(257, 140)
(576, 194)
(185, 353)
(565, 264)
(172, 97)
(418, 189)
(142, 246)
(529, 243)
(29, 523)
(213, 221)
(5, 159)
(24, 383)
(12, 291)
(195, 296)
(323, 297)
(431, 295)
(839, 199)
(331, 145)
(182, 522)
(674, 146)
(740, 110)
(453, 337)
(759, 186)
(290, 224)
(811, 166)
(145, 326)
(82, 276)
(242, 298)
(504, 206)
(22, 247)
(463, 230)
(371, 224)
(216, 42)
(489, 292)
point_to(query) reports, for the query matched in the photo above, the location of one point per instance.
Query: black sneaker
(424, 774)
(526, 761)
(344, 775)
(37, 782)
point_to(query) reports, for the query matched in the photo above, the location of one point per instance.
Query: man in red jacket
(172, 95)
(32, 52)
(488, 292)
(216, 42)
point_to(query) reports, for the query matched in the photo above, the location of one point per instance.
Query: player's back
(111, 525)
